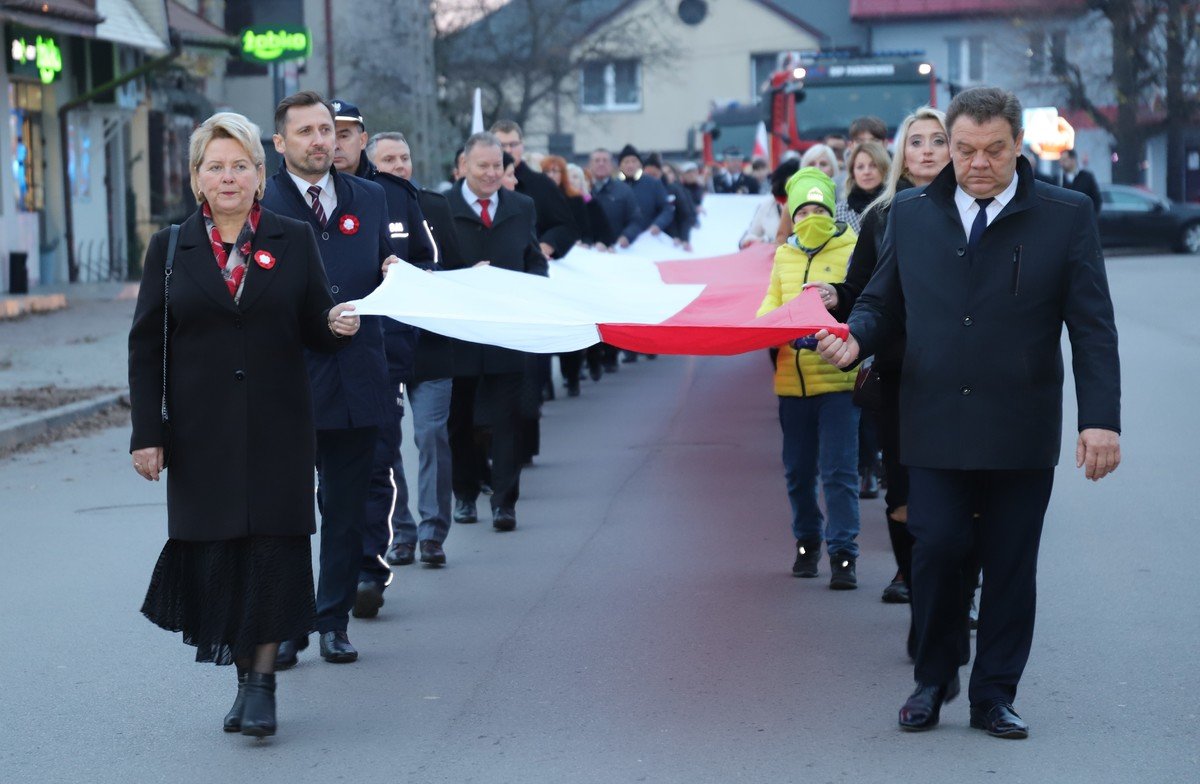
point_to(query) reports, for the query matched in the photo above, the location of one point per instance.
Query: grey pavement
(641, 624)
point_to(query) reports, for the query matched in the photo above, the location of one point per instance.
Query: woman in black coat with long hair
(229, 406)
(922, 151)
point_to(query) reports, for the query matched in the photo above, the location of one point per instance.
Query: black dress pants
(491, 400)
(344, 459)
(942, 505)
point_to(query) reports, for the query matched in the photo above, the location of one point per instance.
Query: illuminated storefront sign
(275, 43)
(32, 53)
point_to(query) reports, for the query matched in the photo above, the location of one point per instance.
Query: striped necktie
(315, 192)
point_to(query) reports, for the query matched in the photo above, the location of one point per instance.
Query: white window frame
(610, 87)
(958, 55)
(755, 87)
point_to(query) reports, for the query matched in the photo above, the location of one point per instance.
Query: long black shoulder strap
(168, 266)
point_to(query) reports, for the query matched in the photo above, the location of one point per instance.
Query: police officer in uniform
(410, 239)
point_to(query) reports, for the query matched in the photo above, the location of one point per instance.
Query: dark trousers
(490, 400)
(344, 460)
(571, 365)
(381, 498)
(1012, 506)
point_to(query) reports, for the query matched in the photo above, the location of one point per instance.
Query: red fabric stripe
(721, 320)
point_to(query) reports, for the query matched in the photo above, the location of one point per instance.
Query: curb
(26, 429)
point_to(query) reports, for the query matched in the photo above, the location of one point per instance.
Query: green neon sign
(42, 54)
(275, 43)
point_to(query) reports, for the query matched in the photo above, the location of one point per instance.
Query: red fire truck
(811, 96)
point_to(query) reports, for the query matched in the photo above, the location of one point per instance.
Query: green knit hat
(810, 185)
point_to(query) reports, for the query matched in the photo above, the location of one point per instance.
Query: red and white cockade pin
(264, 259)
(348, 224)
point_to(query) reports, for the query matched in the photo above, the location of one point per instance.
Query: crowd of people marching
(244, 369)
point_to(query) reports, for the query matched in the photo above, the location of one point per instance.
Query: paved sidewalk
(67, 356)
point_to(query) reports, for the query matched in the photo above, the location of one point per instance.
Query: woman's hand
(148, 462)
(343, 321)
(829, 297)
(389, 261)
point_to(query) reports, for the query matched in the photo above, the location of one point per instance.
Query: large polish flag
(652, 298)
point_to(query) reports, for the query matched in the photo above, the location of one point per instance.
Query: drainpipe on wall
(65, 141)
(329, 47)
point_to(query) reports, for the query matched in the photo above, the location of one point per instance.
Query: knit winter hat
(628, 151)
(810, 185)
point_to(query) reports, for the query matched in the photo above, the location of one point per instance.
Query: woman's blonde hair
(820, 151)
(227, 125)
(900, 170)
(878, 156)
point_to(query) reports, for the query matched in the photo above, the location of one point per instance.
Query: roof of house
(829, 22)
(905, 10)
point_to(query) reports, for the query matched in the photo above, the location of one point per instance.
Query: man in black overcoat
(981, 269)
(500, 227)
(1078, 179)
(556, 229)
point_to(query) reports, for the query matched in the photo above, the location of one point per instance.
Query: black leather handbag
(868, 389)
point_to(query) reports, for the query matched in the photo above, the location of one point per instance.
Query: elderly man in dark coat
(981, 269)
(499, 227)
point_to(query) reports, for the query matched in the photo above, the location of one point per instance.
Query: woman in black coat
(922, 151)
(246, 295)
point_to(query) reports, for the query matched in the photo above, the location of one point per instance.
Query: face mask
(814, 230)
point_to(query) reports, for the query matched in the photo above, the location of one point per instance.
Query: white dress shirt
(328, 194)
(473, 202)
(968, 209)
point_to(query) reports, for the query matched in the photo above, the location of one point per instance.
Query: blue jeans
(820, 433)
(430, 403)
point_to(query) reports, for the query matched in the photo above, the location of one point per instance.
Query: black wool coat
(982, 381)
(511, 243)
(555, 225)
(242, 438)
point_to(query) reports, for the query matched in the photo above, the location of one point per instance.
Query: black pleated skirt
(229, 596)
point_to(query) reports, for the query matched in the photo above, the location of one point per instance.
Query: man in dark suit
(499, 227)
(616, 199)
(349, 389)
(981, 269)
(556, 229)
(1078, 179)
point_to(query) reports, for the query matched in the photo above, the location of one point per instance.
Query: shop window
(27, 145)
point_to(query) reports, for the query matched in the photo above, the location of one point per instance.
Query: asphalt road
(642, 623)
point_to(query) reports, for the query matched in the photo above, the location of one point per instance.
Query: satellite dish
(692, 12)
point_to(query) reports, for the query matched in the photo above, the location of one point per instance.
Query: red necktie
(483, 212)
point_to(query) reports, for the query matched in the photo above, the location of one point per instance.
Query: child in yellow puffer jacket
(818, 418)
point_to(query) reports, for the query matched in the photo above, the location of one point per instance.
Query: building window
(964, 60)
(761, 68)
(1047, 53)
(615, 85)
(28, 156)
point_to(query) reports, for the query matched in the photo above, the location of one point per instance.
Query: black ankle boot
(233, 719)
(258, 715)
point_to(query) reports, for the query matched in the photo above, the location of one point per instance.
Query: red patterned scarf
(233, 265)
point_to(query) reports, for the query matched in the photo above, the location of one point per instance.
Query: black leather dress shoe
(464, 511)
(504, 519)
(286, 658)
(368, 600)
(401, 554)
(999, 720)
(432, 553)
(897, 592)
(336, 648)
(924, 708)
